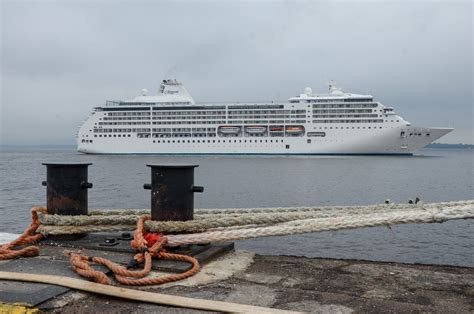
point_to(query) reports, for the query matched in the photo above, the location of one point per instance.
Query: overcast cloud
(61, 58)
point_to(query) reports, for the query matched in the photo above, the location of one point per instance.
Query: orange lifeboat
(294, 129)
(276, 128)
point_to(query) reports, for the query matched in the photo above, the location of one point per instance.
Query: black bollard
(172, 192)
(67, 188)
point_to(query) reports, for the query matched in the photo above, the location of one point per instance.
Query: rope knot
(152, 237)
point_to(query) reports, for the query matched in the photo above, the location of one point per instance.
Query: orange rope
(81, 263)
(145, 254)
(7, 250)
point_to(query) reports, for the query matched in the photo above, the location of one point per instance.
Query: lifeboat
(255, 129)
(276, 128)
(229, 129)
(294, 129)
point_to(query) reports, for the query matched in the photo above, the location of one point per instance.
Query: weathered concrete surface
(304, 284)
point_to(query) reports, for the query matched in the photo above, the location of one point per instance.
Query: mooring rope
(323, 224)
(61, 230)
(7, 251)
(226, 211)
(61, 224)
(216, 226)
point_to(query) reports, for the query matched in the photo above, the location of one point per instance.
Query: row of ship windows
(374, 105)
(347, 127)
(218, 141)
(187, 112)
(121, 130)
(190, 122)
(128, 114)
(184, 129)
(265, 121)
(194, 120)
(124, 118)
(332, 100)
(267, 111)
(293, 116)
(255, 106)
(205, 141)
(125, 123)
(318, 111)
(189, 117)
(402, 134)
(201, 112)
(126, 103)
(350, 121)
(205, 117)
(147, 135)
(181, 114)
(345, 115)
(178, 135)
(204, 112)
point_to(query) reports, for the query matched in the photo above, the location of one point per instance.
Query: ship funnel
(174, 89)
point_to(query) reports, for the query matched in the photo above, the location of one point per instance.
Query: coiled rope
(145, 252)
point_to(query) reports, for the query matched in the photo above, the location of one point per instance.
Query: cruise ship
(170, 122)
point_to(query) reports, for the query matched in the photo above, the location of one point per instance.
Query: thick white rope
(247, 221)
(129, 217)
(225, 211)
(218, 221)
(324, 224)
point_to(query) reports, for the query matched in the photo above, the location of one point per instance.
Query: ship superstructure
(172, 123)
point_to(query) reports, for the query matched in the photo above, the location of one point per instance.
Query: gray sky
(61, 58)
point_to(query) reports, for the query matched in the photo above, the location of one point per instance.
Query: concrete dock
(293, 283)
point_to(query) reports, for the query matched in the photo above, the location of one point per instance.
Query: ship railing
(126, 103)
(112, 103)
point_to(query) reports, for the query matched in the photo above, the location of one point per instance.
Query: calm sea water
(433, 175)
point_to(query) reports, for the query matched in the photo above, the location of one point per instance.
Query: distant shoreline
(450, 146)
